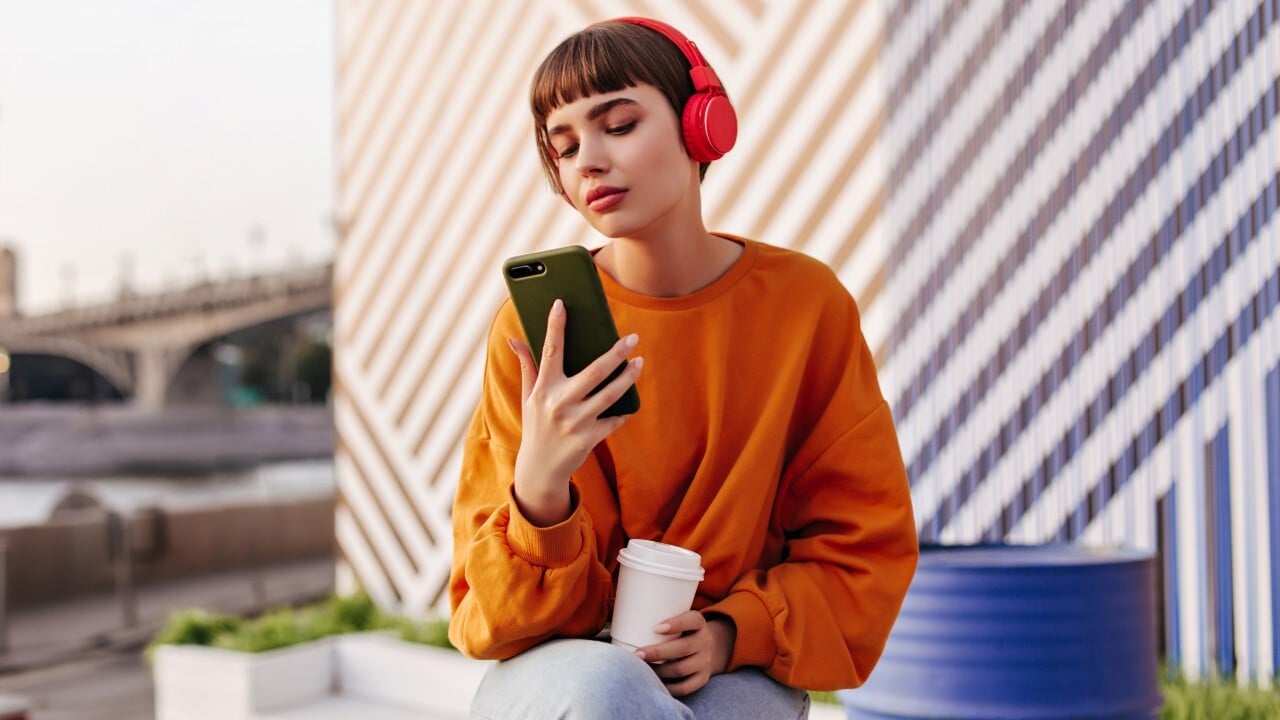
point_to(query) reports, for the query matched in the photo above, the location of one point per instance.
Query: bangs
(588, 63)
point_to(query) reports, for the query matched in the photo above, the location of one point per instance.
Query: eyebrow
(594, 113)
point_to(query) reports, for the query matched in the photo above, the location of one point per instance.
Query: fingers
(553, 345)
(683, 628)
(687, 621)
(688, 670)
(684, 662)
(602, 367)
(688, 685)
(610, 393)
(528, 370)
(567, 406)
(669, 652)
(594, 375)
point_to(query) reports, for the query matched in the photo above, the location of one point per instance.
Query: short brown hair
(603, 58)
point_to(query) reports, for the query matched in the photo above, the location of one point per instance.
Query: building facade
(1056, 217)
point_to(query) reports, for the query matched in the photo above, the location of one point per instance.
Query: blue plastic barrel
(1006, 631)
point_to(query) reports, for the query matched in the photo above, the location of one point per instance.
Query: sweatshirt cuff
(754, 645)
(554, 546)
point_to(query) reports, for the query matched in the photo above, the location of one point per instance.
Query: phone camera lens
(519, 272)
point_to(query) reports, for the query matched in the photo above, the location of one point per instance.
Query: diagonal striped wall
(1056, 217)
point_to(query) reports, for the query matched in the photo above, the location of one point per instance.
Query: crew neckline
(615, 291)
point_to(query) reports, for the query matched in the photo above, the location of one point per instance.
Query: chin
(614, 230)
(620, 225)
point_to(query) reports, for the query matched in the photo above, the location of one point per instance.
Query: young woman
(762, 443)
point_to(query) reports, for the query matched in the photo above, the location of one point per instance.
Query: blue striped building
(1077, 311)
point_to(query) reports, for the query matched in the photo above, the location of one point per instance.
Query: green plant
(276, 629)
(823, 696)
(1183, 700)
(346, 613)
(197, 627)
(194, 627)
(283, 627)
(425, 633)
(1218, 700)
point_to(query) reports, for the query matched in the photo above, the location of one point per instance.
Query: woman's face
(622, 162)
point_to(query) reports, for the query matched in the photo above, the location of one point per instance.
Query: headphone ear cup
(710, 126)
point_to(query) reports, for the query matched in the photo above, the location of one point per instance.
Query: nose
(592, 159)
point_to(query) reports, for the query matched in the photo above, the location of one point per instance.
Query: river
(29, 500)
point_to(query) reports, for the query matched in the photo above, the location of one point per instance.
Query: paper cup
(656, 582)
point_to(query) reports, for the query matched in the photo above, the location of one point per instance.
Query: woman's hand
(560, 423)
(702, 649)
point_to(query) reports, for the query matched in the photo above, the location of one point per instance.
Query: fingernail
(662, 629)
(511, 343)
(640, 654)
(558, 305)
(630, 341)
(638, 362)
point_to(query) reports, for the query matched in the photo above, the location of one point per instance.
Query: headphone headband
(709, 123)
(687, 46)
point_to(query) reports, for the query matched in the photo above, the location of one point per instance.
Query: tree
(314, 369)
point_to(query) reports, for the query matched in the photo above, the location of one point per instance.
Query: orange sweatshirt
(762, 443)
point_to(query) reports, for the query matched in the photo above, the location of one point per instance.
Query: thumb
(528, 370)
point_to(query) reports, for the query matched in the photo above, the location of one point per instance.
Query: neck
(670, 259)
(674, 267)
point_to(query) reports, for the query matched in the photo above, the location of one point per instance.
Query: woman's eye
(567, 152)
(621, 129)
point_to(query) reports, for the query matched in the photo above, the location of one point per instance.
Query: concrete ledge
(13, 708)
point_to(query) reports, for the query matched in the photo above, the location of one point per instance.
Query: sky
(161, 142)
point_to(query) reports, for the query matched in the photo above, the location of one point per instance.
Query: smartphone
(535, 281)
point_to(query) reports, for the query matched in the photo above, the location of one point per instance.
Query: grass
(1219, 700)
(1183, 700)
(824, 696)
(291, 626)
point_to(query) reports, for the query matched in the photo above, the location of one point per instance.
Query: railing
(199, 298)
(120, 540)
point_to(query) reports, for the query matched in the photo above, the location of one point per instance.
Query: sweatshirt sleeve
(513, 584)
(820, 618)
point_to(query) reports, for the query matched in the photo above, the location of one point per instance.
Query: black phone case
(570, 274)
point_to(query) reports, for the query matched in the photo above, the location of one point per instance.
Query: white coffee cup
(656, 582)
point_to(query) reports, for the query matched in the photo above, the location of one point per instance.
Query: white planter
(371, 674)
(204, 683)
(386, 670)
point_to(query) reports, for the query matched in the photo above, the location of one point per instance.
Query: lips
(605, 197)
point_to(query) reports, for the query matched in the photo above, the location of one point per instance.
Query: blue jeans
(594, 680)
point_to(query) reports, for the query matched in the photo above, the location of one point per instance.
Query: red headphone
(709, 123)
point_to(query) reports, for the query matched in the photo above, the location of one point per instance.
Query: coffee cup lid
(662, 559)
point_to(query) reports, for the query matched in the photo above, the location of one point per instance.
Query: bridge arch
(141, 342)
(112, 365)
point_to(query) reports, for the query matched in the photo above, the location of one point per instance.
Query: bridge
(139, 342)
